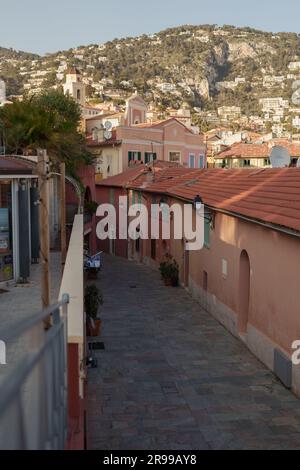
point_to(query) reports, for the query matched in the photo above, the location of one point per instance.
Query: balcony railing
(33, 393)
(34, 388)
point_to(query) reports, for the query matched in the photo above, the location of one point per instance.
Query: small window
(150, 157)
(78, 95)
(201, 161)
(192, 161)
(134, 156)
(175, 157)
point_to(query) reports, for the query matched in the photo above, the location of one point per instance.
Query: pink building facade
(168, 140)
(132, 141)
(247, 273)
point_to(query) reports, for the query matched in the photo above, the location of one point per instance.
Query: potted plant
(92, 300)
(92, 274)
(169, 271)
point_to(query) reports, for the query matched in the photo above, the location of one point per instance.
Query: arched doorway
(244, 292)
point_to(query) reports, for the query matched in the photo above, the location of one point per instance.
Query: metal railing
(33, 392)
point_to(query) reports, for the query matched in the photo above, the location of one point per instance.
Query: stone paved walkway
(22, 301)
(171, 377)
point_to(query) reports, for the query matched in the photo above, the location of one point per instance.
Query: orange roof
(269, 195)
(146, 125)
(98, 117)
(120, 180)
(242, 150)
(73, 71)
(149, 124)
(128, 177)
(164, 179)
(253, 135)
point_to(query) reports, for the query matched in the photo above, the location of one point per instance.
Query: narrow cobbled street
(171, 377)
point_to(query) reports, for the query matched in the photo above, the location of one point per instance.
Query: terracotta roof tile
(267, 195)
(270, 195)
(136, 175)
(108, 115)
(123, 178)
(242, 150)
(147, 125)
(164, 180)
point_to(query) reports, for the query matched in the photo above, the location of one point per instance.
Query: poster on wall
(4, 242)
(4, 220)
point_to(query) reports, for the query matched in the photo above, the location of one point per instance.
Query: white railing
(33, 392)
(72, 282)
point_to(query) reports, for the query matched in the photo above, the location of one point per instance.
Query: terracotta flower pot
(92, 274)
(93, 330)
(167, 281)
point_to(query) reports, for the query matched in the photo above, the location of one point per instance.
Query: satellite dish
(298, 163)
(280, 157)
(107, 135)
(108, 125)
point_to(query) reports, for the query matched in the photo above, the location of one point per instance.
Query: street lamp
(198, 203)
(162, 203)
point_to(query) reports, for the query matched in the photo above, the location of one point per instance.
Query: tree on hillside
(51, 121)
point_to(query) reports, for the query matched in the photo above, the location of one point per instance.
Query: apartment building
(133, 141)
(256, 155)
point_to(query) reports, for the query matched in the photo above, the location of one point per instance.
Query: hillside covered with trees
(206, 66)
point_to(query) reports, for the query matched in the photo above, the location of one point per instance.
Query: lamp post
(198, 203)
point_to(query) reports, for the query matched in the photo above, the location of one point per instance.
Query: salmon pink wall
(171, 137)
(108, 195)
(274, 275)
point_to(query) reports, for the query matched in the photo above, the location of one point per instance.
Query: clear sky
(47, 26)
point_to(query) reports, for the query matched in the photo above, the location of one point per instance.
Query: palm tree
(49, 121)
